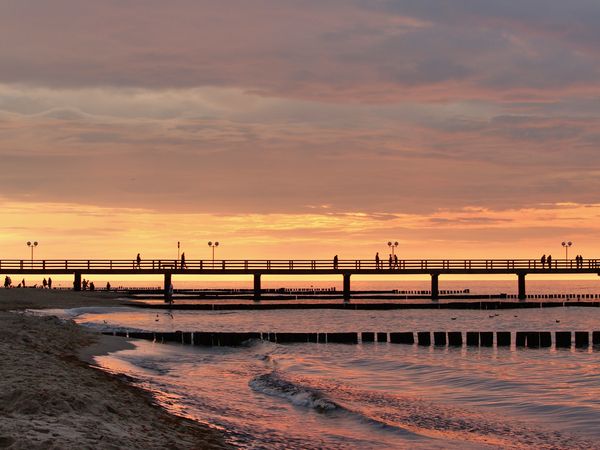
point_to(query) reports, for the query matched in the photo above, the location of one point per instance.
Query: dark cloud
(368, 51)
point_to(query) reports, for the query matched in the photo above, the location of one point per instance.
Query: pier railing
(298, 264)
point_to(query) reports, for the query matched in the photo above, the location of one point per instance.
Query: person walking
(23, 282)
(49, 283)
(543, 260)
(390, 262)
(377, 260)
(138, 260)
(335, 262)
(183, 266)
(396, 261)
(44, 284)
(549, 261)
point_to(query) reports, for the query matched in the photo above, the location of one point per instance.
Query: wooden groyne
(520, 339)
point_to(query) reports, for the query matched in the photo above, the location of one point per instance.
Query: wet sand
(52, 397)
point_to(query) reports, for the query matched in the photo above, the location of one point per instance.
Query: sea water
(370, 395)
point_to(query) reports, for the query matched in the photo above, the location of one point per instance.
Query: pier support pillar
(257, 288)
(435, 286)
(346, 287)
(167, 287)
(522, 292)
(77, 282)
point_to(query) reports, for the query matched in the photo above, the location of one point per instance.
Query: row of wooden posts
(529, 339)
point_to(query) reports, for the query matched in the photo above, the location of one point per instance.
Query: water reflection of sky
(328, 320)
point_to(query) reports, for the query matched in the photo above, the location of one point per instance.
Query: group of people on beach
(46, 284)
(87, 283)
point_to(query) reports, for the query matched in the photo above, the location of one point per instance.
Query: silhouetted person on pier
(396, 261)
(23, 282)
(49, 283)
(84, 284)
(138, 260)
(543, 261)
(390, 262)
(549, 261)
(108, 285)
(183, 266)
(92, 286)
(7, 282)
(377, 260)
(335, 262)
(44, 283)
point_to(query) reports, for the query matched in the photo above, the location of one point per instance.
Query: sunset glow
(300, 130)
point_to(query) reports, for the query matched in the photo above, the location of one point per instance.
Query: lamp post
(213, 245)
(32, 245)
(566, 245)
(392, 246)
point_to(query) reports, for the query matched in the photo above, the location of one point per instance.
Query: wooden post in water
(257, 288)
(77, 281)
(167, 287)
(522, 292)
(435, 286)
(346, 287)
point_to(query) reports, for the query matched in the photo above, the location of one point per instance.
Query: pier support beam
(522, 292)
(167, 287)
(77, 282)
(257, 288)
(346, 287)
(435, 286)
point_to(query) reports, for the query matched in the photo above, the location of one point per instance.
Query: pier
(434, 268)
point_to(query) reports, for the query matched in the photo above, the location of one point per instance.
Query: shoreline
(52, 395)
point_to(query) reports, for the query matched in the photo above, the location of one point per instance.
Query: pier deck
(345, 268)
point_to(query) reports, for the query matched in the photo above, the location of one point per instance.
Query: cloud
(375, 51)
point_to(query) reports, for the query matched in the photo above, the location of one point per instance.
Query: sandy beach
(52, 397)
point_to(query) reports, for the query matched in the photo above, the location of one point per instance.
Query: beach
(52, 396)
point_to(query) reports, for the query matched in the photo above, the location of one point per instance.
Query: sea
(264, 395)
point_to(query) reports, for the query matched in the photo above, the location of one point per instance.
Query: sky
(299, 129)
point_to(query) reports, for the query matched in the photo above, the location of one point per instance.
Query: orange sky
(299, 130)
(78, 231)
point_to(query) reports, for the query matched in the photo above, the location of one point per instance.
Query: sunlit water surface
(371, 395)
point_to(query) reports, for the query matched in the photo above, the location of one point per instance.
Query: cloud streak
(278, 108)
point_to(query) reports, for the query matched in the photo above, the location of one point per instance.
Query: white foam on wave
(272, 384)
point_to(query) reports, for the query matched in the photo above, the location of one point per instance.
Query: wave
(272, 384)
(413, 418)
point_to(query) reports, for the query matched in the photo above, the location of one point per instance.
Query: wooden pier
(344, 268)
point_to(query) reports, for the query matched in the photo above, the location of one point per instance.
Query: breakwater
(518, 339)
